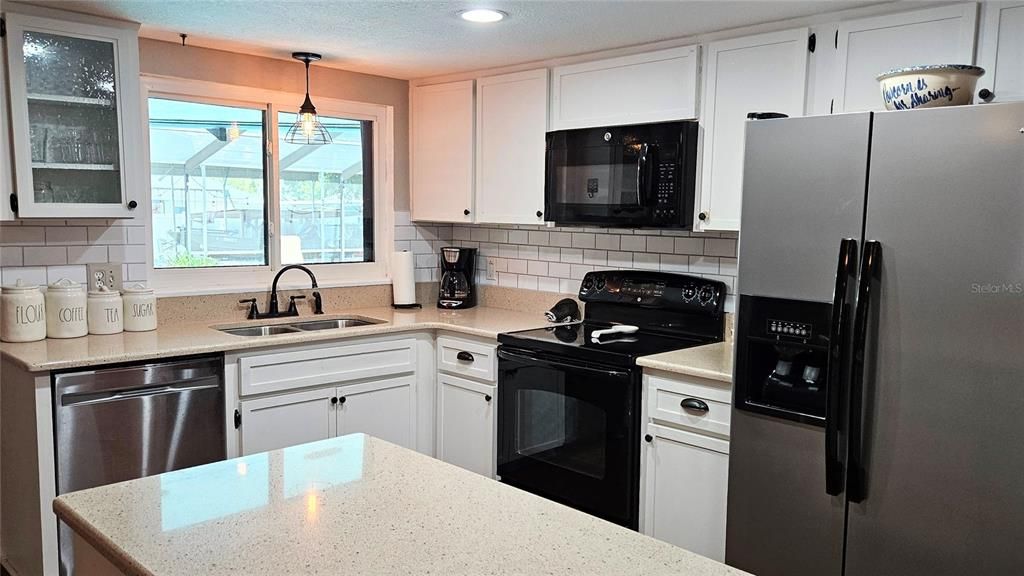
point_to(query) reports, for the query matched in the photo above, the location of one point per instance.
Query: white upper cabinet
(1002, 51)
(75, 117)
(441, 153)
(650, 87)
(871, 46)
(511, 120)
(764, 73)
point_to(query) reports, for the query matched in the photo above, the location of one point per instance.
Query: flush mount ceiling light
(307, 129)
(482, 15)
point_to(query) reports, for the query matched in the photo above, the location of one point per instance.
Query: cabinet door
(1002, 50)
(382, 408)
(872, 46)
(685, 497)
(466, 434)
(511, 120)
(75, 117)
(442, 152)
(286, 420)
(649, 87)
(765, 73)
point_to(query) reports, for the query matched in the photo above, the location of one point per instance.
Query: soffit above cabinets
(405, 39)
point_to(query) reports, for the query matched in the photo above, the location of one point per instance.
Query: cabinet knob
(466, 211)
(702, 216)
(487, 398)
(464, 356)
(539, 214)
(132, 205)
(341, 400)
(334, 400)
(986, 95)
(648, 438)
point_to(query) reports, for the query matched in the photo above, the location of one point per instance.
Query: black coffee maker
(457, 287)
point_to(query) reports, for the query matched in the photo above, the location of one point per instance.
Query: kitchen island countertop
(353, 505)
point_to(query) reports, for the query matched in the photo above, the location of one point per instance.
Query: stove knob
(689, 291)
(588, 283)
(707, 293)
(599, 284)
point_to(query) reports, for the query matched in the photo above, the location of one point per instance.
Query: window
(326, 194)
(207, 184)
(232, 201)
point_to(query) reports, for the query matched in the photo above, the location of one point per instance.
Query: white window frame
(190, 281)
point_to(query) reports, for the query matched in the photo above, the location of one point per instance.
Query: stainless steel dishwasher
(122, 423)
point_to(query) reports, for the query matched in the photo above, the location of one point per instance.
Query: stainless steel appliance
(881, 258)
(569, 395)
(458, 286)
(122, 423)
(627, 176)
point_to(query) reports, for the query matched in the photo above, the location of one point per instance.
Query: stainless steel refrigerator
(878, 410)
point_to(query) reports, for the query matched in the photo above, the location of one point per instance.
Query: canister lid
(20, 286)
(65, 285)
(137, 288)
(104, 292)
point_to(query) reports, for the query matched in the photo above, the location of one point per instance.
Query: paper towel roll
(403, 277)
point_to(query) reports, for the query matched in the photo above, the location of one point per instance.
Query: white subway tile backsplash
(582, 240)
(528, 282)
(87, 254)
(675, 263)
(56, 235)
(689, 246)
(499, 236)
(595, 257)
(720, 247)
(550, 254)
(559, 269)
(536, 268)
(22, 235)
(508, 251)
(518, 237)
(108, 235)
(405, 233)
(703, 265)
(508, 280)
(76, 273)
(10, 256)
(572, 255)
(606, 242)
(568, 286)
(646, 261)
(540, 238)
(547, 284)
(480, 235)
(137, 235)
(633, 244)
(518, 266)
(660, 244)
(529, 253)
(620, 259)
(561, 239)
(45, 255)
(578, 271)
(31, 275)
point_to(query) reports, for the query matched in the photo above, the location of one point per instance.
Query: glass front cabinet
(75, 117)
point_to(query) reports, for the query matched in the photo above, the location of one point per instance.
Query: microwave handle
(641, 168)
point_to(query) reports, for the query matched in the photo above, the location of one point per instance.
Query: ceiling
(419, 38)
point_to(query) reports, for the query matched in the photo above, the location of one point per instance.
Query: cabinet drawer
(467, 358)
(330, 365)
(679, 402)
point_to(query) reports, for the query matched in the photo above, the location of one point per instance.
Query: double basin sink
(305, 326)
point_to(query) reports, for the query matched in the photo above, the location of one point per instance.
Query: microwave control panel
(665, 192)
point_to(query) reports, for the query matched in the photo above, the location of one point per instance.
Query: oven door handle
(505, 355)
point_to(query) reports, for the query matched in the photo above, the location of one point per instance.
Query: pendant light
(307, 128)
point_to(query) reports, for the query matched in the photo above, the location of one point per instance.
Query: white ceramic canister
(24, 313)
(65, 305)
(105, 312)
(139, 308)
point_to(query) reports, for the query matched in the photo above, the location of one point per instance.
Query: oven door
(604, 184)
(570, 431)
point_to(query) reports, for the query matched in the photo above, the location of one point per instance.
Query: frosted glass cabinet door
(74, 101)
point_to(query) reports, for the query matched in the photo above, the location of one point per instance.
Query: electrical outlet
(492, 274)
(107, 274)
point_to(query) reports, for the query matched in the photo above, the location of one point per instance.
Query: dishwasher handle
(85, 399)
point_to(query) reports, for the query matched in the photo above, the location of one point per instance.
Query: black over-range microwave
(636, 176)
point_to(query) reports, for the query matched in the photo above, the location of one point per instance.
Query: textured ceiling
(414, 39)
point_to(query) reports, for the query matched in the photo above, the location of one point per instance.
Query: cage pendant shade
(307, 128)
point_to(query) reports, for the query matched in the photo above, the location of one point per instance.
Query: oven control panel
(653, 289)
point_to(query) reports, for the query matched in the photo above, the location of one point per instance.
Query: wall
(43, 251)
(555, 259)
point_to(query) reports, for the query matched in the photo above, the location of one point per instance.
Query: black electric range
(569, 405)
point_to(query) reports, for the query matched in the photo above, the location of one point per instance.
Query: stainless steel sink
(336, 323)
(307, 326)
(260, 330)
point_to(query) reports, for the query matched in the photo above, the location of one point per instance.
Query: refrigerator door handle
(845, 270)
(870, 273)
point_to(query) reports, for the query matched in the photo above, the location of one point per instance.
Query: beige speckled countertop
(353, 505)
(200, 338)
(713, 361)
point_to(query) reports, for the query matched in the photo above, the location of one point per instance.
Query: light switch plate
(106, 274)
(492, 274)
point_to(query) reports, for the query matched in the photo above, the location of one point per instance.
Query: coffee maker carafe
(457, 287)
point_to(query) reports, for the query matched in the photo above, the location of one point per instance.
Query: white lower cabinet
(685, 496)
(383, 409)
(685, 471)
(466, 431)
(286, 420)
